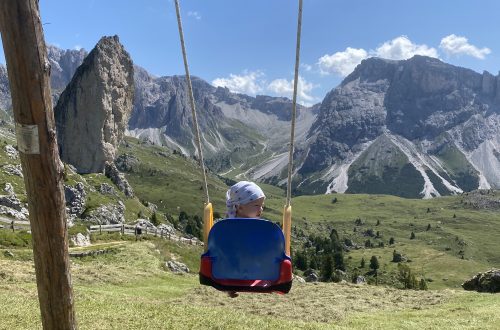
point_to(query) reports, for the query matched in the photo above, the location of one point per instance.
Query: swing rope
(191, 99)
(294, 107)
(294, 104)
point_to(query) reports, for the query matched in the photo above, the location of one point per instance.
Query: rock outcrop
(118, 179)
(110, 214)
(176, 267)
(93, 111)
(484, 282)
(413, 128)
(63, 64)
(5, 98)
(75, 199)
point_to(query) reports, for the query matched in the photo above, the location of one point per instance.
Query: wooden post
(29, 78)
(12, 225)
(100, 228)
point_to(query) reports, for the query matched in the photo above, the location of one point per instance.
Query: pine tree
(313, 264)
(154, 219)
(374, 263)
(412, 235)
(428, 227)
(375, 266)
(327, 268)
(362, 264)
(300, 260)
(423, 284)
(391, 241)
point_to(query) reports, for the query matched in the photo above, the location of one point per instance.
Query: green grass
(14, 239)
(434, 253)
(131, 289)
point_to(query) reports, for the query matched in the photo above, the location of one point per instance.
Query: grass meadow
(130, 289)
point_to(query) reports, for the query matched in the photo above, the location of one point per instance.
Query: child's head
(244, 200)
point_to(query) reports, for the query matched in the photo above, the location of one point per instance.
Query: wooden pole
(29, 78)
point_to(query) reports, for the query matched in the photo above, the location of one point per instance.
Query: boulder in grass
(177, 267)
(297, 278)
(484, 282)
(81, 240)
(359, 280)
(313, 277)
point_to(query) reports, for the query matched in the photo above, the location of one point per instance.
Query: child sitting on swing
(244, 200)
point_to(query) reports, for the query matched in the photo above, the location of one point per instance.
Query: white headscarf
(241, 193)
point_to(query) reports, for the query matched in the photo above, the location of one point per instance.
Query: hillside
(130, 289)
(455, 236)
(130, 286)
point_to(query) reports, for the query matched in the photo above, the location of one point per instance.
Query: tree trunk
(29, 78)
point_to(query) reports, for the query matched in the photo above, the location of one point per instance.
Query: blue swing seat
(246, 254)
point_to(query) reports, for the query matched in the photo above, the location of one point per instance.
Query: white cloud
(401, 48)
(283, 87)
(194, 14)
(247, 83)
(342, 63)
(77, 47)
(306, 67)
(457, 45)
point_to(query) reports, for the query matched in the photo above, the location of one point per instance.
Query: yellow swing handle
(287, 226)
(208, 222)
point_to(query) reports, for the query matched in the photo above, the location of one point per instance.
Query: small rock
(8, 254)
(299, 279)
(80, 240)
(177, 267)
(11, 152)
(312, 277)
(13, 170)
(11, 201)
(359, 280)
(106, 189)
(9, 189)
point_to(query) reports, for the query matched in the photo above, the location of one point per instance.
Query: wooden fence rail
(124, 229)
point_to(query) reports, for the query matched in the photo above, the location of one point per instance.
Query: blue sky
(249, 46)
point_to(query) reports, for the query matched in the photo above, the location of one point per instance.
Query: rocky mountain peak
(63, 64)
(5, 100)
(372, 69)
(93, 111)
(441, 120)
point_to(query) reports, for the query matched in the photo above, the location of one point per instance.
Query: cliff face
(94, 109)
(63, 64)
(420, 123)
(5, 99)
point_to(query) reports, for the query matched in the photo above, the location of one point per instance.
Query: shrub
(397, 256)
(374, 263)
(406, 277)
(422, 285)
(300, 260)
(327, 268)
(154, 219)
